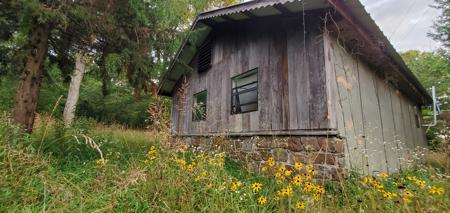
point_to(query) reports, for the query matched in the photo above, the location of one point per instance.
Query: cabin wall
(292, 97)
(377, 122)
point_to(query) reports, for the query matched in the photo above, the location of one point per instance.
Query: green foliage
(433, 69)
(442, 24)
(50, 171)
(120, 106)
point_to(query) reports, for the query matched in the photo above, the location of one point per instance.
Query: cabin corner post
(326, 153)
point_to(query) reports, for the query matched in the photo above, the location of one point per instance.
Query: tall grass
(139, 174)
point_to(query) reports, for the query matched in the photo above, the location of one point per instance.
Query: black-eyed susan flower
(271, 162)
(287, 172)
(436, 191)
(235, 186)
(297, 180)
(407, 195)
(420, 183)
(389, 195)
(287, 191)
(316, 197)
(298, 166)
(278, 174)
(300, 205)
(256, 187)
(411, 178)
(281, 169)
(262, 200)
(383, 175)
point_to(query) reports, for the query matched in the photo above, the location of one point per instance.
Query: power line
(415, 24)
(403, 19)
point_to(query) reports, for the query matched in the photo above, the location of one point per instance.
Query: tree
(47, 23)
(432, 69)
(442, 24)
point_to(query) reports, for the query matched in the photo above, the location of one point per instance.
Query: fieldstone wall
(325, 153)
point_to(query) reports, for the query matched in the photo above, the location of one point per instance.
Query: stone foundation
(325, 153)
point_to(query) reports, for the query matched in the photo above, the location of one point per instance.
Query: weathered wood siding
(376, 120)
(291, 79)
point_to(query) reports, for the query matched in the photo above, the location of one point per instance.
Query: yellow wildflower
(190, 167)
(420, 183)
(319, 190)
(278, 174)
(281, 169)
(309, 167)
(264, 169)
(367, 180)
(411, 178)
(389, 195)
(287, 173)
(152, 154)
(297, 180)
(436, 190)
(407, 195)
(279, 181)
(298, 166)
(256, 187)
(287, 191)
(262, 200)
(271, 162)
(209, 185)
(384, 175)
(307, 176)
(316, 197)
(300, 205)
(101, 161)
(235, 186)
(308, 187)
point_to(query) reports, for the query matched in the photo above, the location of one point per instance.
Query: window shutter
(204, 56)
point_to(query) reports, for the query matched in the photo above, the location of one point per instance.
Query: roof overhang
(351, 10)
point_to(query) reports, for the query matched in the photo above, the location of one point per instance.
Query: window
(199, 106)
(244, 93)
(204, 56)
(417, 117)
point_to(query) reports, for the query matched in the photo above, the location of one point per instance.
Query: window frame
(233, 94)
(194, 101)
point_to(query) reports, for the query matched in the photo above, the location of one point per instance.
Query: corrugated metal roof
(238, 8)
(259, 8)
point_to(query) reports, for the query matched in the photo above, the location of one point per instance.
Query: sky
(405, 22)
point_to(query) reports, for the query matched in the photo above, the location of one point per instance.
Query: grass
(49, 171)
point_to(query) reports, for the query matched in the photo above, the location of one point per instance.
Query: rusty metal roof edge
(242, 7)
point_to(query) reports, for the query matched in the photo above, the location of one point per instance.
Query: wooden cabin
(313, 80)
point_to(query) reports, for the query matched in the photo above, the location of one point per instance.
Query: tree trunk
(74, 89)
(27, 92)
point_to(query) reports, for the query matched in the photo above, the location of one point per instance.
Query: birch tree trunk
(74, 89)
(27, 92)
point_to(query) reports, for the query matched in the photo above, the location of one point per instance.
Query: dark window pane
(244, 96)
(199, 106)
